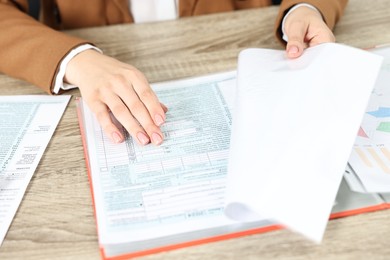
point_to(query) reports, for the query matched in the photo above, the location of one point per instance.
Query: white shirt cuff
(284, 37)
(59, 79)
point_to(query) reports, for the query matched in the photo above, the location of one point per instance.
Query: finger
(296, 33)
(124, 116)
(147, 96)
(323, 34)
(139, 112)
(103, 116)
(164, 107)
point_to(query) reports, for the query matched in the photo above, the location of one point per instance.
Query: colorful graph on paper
(370, 157)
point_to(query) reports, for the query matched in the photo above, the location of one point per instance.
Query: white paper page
(149, 192)
(26, 125)
(370, 157)
(294, 126)
(372, 166)
(353, 181)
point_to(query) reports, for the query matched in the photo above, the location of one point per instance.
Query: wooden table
(55, 219)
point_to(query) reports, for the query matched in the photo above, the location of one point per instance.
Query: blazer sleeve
(30, 50)
(331, 11)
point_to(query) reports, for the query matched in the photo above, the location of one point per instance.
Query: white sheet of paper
(294, 125)
(27, 124)
(353, 181)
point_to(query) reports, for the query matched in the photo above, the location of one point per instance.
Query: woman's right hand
(109, 85)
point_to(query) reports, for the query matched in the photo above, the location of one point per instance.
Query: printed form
(179, 186)
(26, 125)
(370, 157)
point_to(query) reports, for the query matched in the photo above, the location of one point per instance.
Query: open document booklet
(149, 199)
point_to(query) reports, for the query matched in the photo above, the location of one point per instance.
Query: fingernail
(116, 137)
(159, 120)
(142, 138)
(293, 49)
(156, 138)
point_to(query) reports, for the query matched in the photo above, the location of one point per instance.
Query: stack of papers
(293, 123)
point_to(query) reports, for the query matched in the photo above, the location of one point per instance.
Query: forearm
(30, 50)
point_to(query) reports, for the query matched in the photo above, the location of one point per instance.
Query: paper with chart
(146, 192)
(370, 157)
(294, 126)
(26, 125)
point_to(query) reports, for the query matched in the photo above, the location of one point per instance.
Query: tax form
(144, 192)
(26, 125)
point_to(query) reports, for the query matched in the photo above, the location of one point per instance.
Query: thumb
(295, 33)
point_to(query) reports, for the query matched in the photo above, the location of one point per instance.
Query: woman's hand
(108, 85)
(304, 27)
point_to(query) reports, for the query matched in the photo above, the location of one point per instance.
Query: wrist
(59, 82)
(79, 63)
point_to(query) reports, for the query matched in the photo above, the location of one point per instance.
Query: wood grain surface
(56, 220)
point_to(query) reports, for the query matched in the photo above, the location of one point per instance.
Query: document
(370, 157)
(26, 125)
(148, 199)
(151, 196)
(294, 126)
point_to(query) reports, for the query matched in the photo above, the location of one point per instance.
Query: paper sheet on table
(294, 125)
(27, 124)
(370, 156)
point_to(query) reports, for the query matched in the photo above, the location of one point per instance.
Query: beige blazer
(31, 51)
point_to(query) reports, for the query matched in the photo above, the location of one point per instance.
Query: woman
(30, 36)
